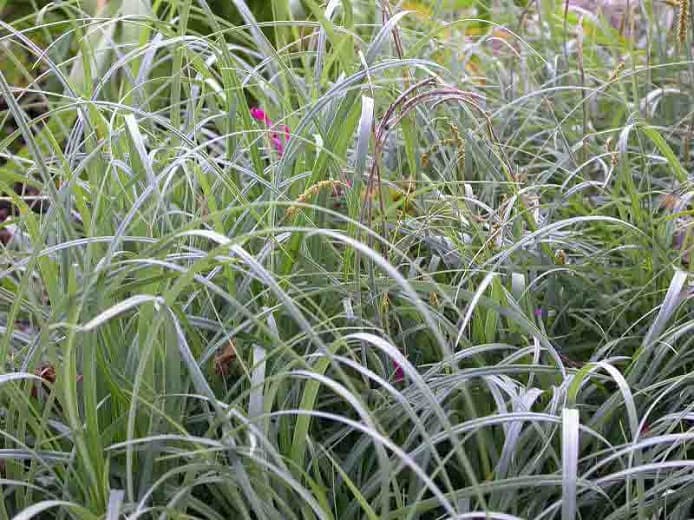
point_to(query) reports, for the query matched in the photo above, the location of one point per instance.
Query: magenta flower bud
(278, 140)
(259, 115)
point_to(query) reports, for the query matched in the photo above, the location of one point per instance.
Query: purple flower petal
(398, 373)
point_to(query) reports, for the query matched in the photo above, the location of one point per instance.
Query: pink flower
(277, 144)
(278, 140)
(285, 130)
(398, 373)
(259, 115)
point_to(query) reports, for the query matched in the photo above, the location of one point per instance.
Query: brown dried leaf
(224, 360)
(47, 373)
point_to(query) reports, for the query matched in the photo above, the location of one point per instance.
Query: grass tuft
(358, 259)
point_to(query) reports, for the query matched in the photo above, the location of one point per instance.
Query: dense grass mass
(346, 259)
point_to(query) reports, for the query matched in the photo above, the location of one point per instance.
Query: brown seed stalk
(683, 21)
